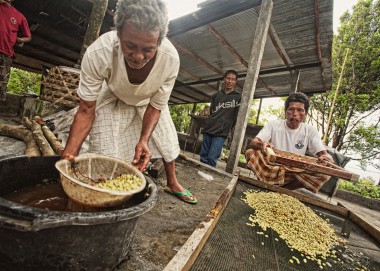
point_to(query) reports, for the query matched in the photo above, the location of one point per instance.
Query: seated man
(292, 135)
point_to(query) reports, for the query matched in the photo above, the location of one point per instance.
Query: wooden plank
(186, 256)
(199, 163)
(336, 209)
(309, 163)
(367, 227)
(257, 51)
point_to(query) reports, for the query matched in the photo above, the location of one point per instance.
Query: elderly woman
(127, 76)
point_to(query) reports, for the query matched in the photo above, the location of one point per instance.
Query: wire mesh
(233, 245)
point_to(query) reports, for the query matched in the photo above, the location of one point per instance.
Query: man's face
(230, 82)
(295, 114)
(138, 46)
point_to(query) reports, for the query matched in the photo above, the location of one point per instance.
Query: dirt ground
(163, 230)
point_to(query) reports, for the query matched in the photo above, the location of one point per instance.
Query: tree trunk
(39, 137)
(99, 8)
(49, 135)
(22, 134)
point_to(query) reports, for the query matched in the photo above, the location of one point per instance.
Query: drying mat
(233, 245)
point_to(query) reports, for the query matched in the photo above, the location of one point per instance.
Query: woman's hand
(142, 156)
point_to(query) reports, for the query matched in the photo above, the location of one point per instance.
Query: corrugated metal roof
(300, 39)
(217, 37)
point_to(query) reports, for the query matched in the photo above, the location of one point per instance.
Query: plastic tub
(38, 239)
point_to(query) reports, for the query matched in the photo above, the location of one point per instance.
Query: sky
(179, 8)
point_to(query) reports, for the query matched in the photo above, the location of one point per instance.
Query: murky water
(51, 196)
(45, 196)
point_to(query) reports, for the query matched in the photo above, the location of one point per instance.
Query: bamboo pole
(336, 94)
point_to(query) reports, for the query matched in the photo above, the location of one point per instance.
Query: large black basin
(38, 239)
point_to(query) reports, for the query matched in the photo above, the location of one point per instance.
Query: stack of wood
(59, 86)
(38, 138)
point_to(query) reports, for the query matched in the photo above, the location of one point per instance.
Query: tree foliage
(354, 129)
(181, 115)
(365, 188)
(22, 81)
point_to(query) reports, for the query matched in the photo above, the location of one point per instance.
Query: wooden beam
(98, 12)
(45, 50)
(318, 41)
(232, 50)
(183, 71)
(262, 72)
(49, 62)
(175, 97)
(186, 256)
(177, 91)
(51, 39)
(49, 22)
(226, 44)
(196, 57)
(276, 41)
(367, 227)
(256, 56)
(180, 84)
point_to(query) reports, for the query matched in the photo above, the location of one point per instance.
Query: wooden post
(336, 94)
(257, 51)
(295, 82)
(98, 11)
(259, 111)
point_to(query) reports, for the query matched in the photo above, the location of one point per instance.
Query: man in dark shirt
(11, 22)
(224, 110)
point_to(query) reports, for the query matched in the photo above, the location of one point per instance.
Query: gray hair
(148, 15)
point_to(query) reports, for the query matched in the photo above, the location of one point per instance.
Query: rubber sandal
(180, 195)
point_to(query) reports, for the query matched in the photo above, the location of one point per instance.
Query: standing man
(224, 109)
(292, 135)
(126, 79)
(11, 23)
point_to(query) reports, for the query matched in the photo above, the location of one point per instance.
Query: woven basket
(95, 167)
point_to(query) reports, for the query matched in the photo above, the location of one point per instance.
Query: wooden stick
(39, 137)
(23, 134)
(335, 95)
(49, 135)
(189, 252)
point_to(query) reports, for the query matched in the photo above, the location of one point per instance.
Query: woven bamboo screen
(59, 86)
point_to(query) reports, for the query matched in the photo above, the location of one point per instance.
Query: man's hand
(258, 144)
(142, 156)
(324, 157)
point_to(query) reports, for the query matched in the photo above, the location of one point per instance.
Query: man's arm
(142, 152)
(22, 40)
(80, 129)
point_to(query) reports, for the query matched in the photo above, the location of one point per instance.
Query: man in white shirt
(292, 135)
(126, 80)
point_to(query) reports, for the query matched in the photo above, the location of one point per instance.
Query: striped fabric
(117, 128)
(281, 175)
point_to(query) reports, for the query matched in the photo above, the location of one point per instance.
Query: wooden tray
(310, 163)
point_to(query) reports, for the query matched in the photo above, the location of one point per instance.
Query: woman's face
(295, 114)
(138, 46)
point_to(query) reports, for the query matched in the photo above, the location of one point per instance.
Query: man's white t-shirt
(103, 69)
(301, 140)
